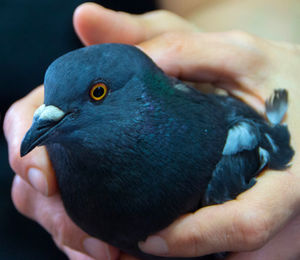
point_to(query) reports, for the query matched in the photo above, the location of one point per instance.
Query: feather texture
(153, 149)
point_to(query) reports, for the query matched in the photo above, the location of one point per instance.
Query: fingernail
(154, 245)
(38, 180)
(97, 249)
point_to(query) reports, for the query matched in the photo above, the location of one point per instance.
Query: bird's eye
(98, 91)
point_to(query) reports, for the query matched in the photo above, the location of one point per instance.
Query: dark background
(32, 34)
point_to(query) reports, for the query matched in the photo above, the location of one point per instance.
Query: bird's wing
(241, 160)
(242, 136)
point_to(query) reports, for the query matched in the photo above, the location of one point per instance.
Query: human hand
(249, 68)
(214, 70)
(264, 219)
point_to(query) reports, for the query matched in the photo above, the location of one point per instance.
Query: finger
(235, 61)
(50, 213)
(124, 256)
(75, 255)
(95, 24)
(285, 245)
(244, 224)
(35, 167)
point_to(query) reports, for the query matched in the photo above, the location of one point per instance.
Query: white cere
(49, 113)
(39, 111)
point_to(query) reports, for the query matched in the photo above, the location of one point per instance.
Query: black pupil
(98, 92)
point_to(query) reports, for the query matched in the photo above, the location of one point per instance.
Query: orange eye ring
(98, 91)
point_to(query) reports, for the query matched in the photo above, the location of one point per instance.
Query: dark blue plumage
(152, 149)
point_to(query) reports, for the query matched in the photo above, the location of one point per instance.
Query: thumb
(95, 24)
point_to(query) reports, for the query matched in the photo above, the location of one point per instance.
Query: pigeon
(134, 149)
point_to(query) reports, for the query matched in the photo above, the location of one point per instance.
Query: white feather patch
(182, 87)
(240, 137)
(264, 157)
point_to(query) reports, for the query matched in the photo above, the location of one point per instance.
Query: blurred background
(34, 33)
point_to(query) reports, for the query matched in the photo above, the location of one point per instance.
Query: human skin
(264, 219)
(270, 19)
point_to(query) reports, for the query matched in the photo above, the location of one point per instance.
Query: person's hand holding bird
(243, 224)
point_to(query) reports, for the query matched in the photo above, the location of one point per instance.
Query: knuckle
(166, 16)
(251, 48)
(242, 36)
(173, 40)
(194, 239)
(18, 201)
(19, 198)
(253, 230)
(64, 232)
(60, 229)
(164, 13)
(14, 159)
(159, 16)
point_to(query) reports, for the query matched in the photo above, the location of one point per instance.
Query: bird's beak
(44, 121)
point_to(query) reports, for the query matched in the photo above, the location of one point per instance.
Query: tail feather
(276, 106)
(277, 143)
(277, 137)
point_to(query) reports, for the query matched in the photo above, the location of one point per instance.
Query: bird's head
(89, 93)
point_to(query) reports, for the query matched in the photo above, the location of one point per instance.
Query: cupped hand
(249, 68)
(266, 217)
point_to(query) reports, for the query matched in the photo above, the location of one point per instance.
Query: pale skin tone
(264, 220)
(270, 19)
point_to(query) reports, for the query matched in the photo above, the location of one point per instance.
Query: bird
(133, 149)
